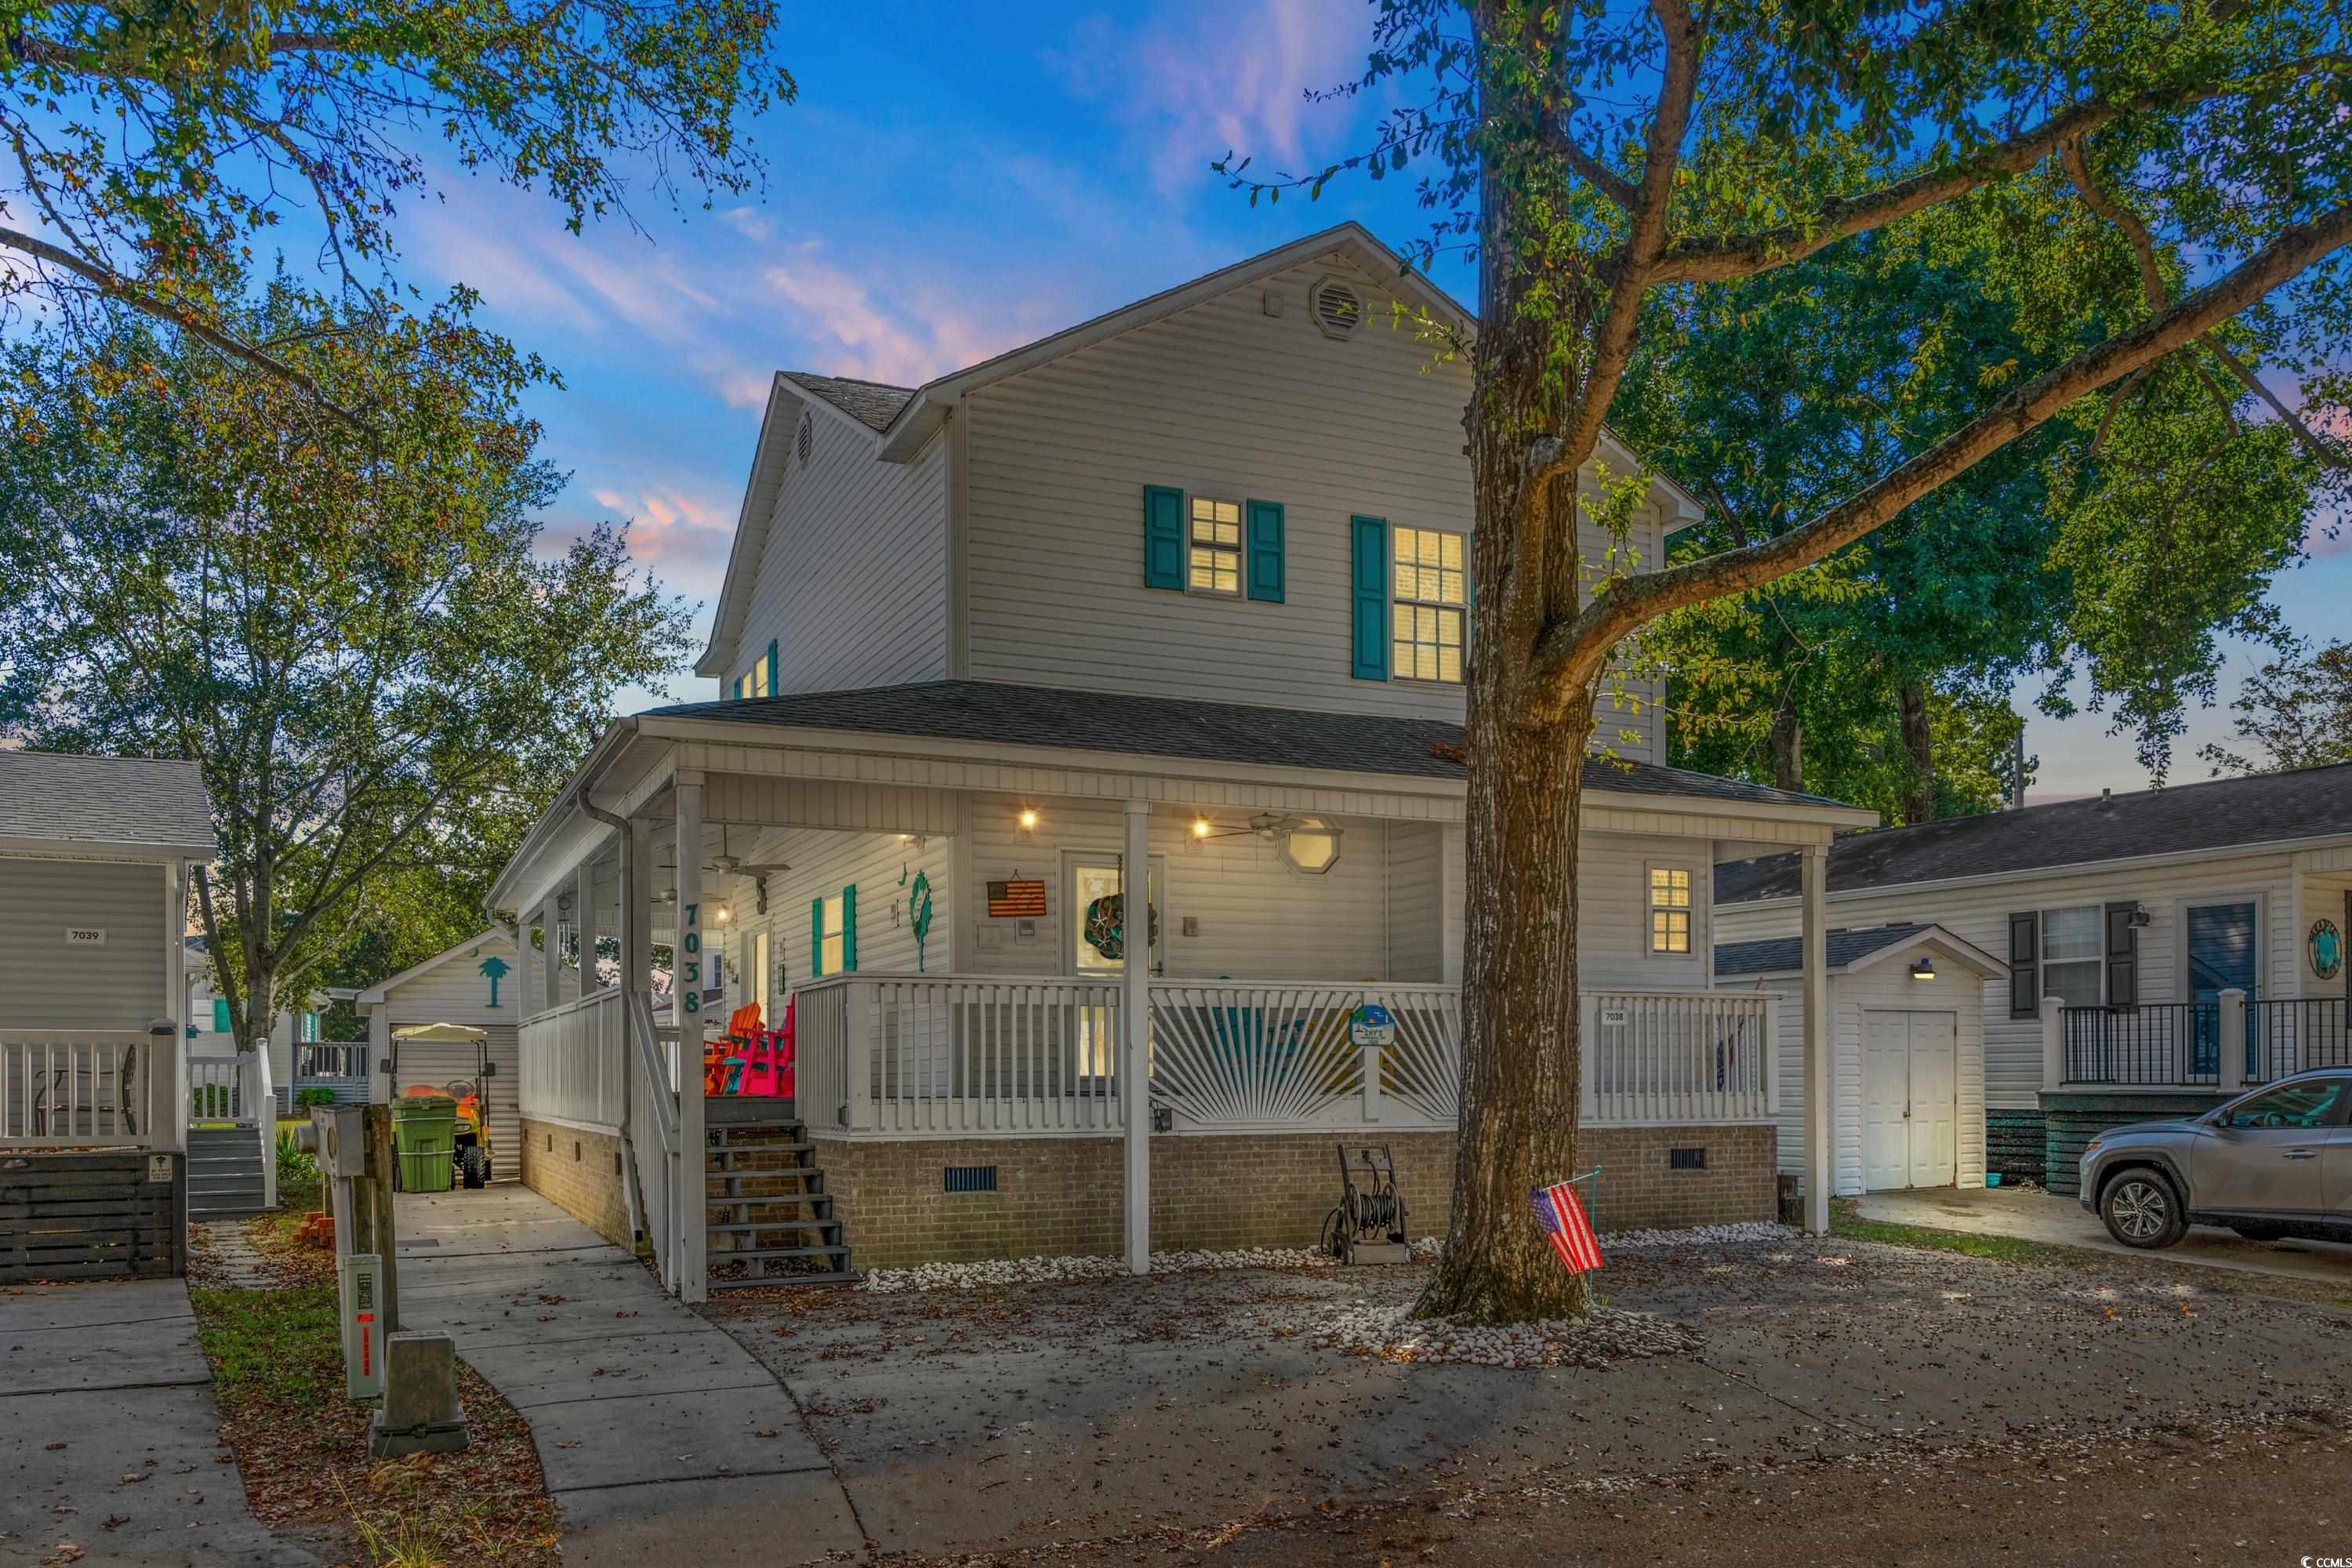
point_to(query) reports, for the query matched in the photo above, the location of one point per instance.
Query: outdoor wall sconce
(1923, 968)
(1028, 819)
(2140, 917)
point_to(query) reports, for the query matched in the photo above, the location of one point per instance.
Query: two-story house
(1180, 596)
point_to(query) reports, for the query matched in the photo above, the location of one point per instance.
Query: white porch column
(2053, 1042)
(583, 921)
(1821, 1109)
(2231, 1010)
(1135, 1010)
(693, 1241)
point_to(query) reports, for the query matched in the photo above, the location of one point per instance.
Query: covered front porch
(948, 929)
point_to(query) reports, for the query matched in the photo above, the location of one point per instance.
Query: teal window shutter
(1164, 538)
(816, 938)
(1266, 551)
(849, 928)
(771, 668)
(1370, 581)
(220, 1015)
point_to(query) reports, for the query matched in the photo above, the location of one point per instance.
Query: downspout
(632, 882)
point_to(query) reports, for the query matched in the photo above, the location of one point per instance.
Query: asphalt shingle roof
(873, 403)
(986, 711)
(104, 800)
(1780, 954)
(2216, 814)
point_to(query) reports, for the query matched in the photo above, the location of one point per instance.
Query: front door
(1909, 1100)
(1087, 877)
(2223, 952)
(2264, 1155)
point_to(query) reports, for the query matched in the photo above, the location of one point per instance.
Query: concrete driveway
(2031, 1215)
(109, 1438)
(661, 1439)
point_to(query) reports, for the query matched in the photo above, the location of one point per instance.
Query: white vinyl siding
(1220, 400)
(853, 584)
(1978, 912)
(458, 992)
(823, 863)
(122, 983)
(1416, 919)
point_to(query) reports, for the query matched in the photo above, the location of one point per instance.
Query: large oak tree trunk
(1919, 745)
(1788, 745)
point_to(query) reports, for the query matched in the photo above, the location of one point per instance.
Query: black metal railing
(2155, 1043)
(2296, 1034)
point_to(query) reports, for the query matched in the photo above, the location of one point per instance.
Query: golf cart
(471, 1152)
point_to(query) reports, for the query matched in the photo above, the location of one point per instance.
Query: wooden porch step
(760, 1282)
(727, 1157)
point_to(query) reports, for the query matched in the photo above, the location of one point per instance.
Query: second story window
(1214, 564)
(1432, 592)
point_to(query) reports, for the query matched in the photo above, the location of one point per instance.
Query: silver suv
(2275, 1162)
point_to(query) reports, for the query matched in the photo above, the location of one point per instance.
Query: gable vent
(1338, 309)
(807, 436)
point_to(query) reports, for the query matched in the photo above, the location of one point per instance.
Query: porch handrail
(2290, 1035)
(228, 1087)
(572, 1062)
(75, 1087)
(649, 1131)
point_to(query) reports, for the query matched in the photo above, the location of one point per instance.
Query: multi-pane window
(1214, 564)
(2074, 957)
(829, 945)
(1431, 593)
(1670, 909)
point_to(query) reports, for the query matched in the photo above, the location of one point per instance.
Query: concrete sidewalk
(107, 1415)
(2036, 1216)
(662, 1439)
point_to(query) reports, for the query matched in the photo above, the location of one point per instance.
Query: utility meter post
(377, 1185)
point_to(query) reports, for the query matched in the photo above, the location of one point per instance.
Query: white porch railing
(951, 1055)
(73, 1088)
(571, 1060)
(1675, 1056)
(230, 1087)
(671, 1214)
(915, 1056)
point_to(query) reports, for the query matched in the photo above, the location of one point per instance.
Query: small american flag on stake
(1561, 1218)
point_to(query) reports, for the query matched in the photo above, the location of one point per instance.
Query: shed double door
(1910, 1100)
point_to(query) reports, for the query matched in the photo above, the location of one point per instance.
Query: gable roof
(375, 995)
(873, 403)
(1851, 950)
(906, 418)
(992, 711)
(138, 805)
(2214, 816)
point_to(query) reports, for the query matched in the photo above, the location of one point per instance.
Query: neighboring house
(473, 983)
(210, 1034)
(95, 854)
(2188, 941)
(1184, 588)
(1907, 1037)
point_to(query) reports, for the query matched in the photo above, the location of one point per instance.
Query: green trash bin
(425, 1135)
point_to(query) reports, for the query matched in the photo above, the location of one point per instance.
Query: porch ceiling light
(1923, 968)
(722, 913)
(1311, 846)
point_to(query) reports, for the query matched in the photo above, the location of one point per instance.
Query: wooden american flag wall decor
(1016, 900)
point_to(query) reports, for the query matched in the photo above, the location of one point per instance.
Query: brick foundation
(1057, 1196)
(578, 1172)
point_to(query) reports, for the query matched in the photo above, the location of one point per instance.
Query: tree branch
(2313, 441)
(1572, 652)
(115, 287)
(1727, 260)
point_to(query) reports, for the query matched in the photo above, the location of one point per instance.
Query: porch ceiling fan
(728, 864)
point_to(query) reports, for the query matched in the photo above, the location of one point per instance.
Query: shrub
(304, 1099)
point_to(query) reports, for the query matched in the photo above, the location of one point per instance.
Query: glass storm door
(2222, 953)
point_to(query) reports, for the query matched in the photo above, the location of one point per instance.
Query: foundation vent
(970, 1179)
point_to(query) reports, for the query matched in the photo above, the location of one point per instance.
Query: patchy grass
(301, 1444)
(1845, 1222)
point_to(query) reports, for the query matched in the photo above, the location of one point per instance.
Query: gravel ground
(1165, 1409)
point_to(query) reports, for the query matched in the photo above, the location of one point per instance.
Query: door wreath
(1106, 927)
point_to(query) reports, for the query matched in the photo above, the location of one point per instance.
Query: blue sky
(953, 182)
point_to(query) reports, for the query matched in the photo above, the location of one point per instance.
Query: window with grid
(2073, 956)
(1670, 909)
(1214, 564)
(1430, 593)
(829, 954)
